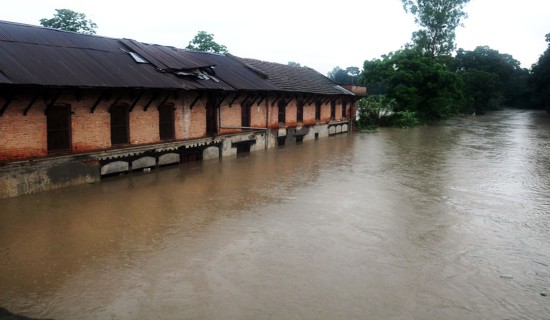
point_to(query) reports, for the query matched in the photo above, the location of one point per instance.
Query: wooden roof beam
(31, 103)
(9, 99)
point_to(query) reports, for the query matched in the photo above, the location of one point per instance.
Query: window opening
(282, 112)
(245, 114)
(166, 122)
(333, 110)
(119, 125)
(211, 125)
(300, 111)
(281, 141)
(58, 120)
(317, 111)
(344, 106)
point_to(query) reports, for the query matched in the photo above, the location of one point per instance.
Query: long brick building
(76, 107)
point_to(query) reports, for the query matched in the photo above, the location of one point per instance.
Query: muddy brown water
(450, 221)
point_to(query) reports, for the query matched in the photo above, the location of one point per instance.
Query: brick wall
(90, 131)
(257, 113)
(26, 136)
(197, 120)
(23, 136)
(309, 114)
(144, 127)
(231, 117)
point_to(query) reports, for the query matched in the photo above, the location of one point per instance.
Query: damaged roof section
(223, 70)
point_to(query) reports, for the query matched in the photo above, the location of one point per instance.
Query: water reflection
(444, 222)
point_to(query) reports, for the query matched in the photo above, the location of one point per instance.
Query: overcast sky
(317, 34)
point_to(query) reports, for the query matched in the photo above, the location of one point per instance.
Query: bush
(379, 111)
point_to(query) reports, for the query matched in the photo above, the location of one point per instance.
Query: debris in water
(544, 294)
(541, 263)
(506, 277)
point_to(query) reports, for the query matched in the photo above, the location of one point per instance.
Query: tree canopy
(416, 83)
(438, 20)
(69, 20)
(350, 75)
(540, 79)
(204, 41)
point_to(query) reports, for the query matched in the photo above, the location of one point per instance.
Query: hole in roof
(137, 57)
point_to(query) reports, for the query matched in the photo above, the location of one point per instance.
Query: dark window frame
(246, 114)
(166, 122)
(300, 111)
(344, 107)
(59, 128)
(282, 111)
(333, 110)
(120, 124)
(318, 111)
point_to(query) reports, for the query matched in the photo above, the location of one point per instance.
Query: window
(58, 120)
(282, 111)
(166, 122)
(318, 111)
(211, 117)
(344, 106)
(245, 114)
(300, 111)
(119, 125)
(333, 110)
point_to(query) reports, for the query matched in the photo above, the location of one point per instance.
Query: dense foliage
(417, 84)
(424, 81)
(350, 75)
(204, 41)
(539, 82)
(438, 20)
(70, 20)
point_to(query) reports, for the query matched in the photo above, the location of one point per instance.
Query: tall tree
(416, 83)
(539, 79)
(348, 76)
(494, 76)
(69, 20)
(438, 20)
(204, 41)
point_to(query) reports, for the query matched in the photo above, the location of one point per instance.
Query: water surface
(450, 221)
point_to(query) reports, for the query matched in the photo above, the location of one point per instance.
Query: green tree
(417, 83)
(70, 20)
(496, 78)
(204, 41)
(539, 79)
(294, 64)
(348, 76)
(438, 20)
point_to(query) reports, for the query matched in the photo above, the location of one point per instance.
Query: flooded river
(450, 221)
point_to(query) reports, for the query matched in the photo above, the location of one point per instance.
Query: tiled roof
(295, 79)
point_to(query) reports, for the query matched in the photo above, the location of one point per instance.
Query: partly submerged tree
(416, 83)
(69, 20)
(438, 20)
(204, 41)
